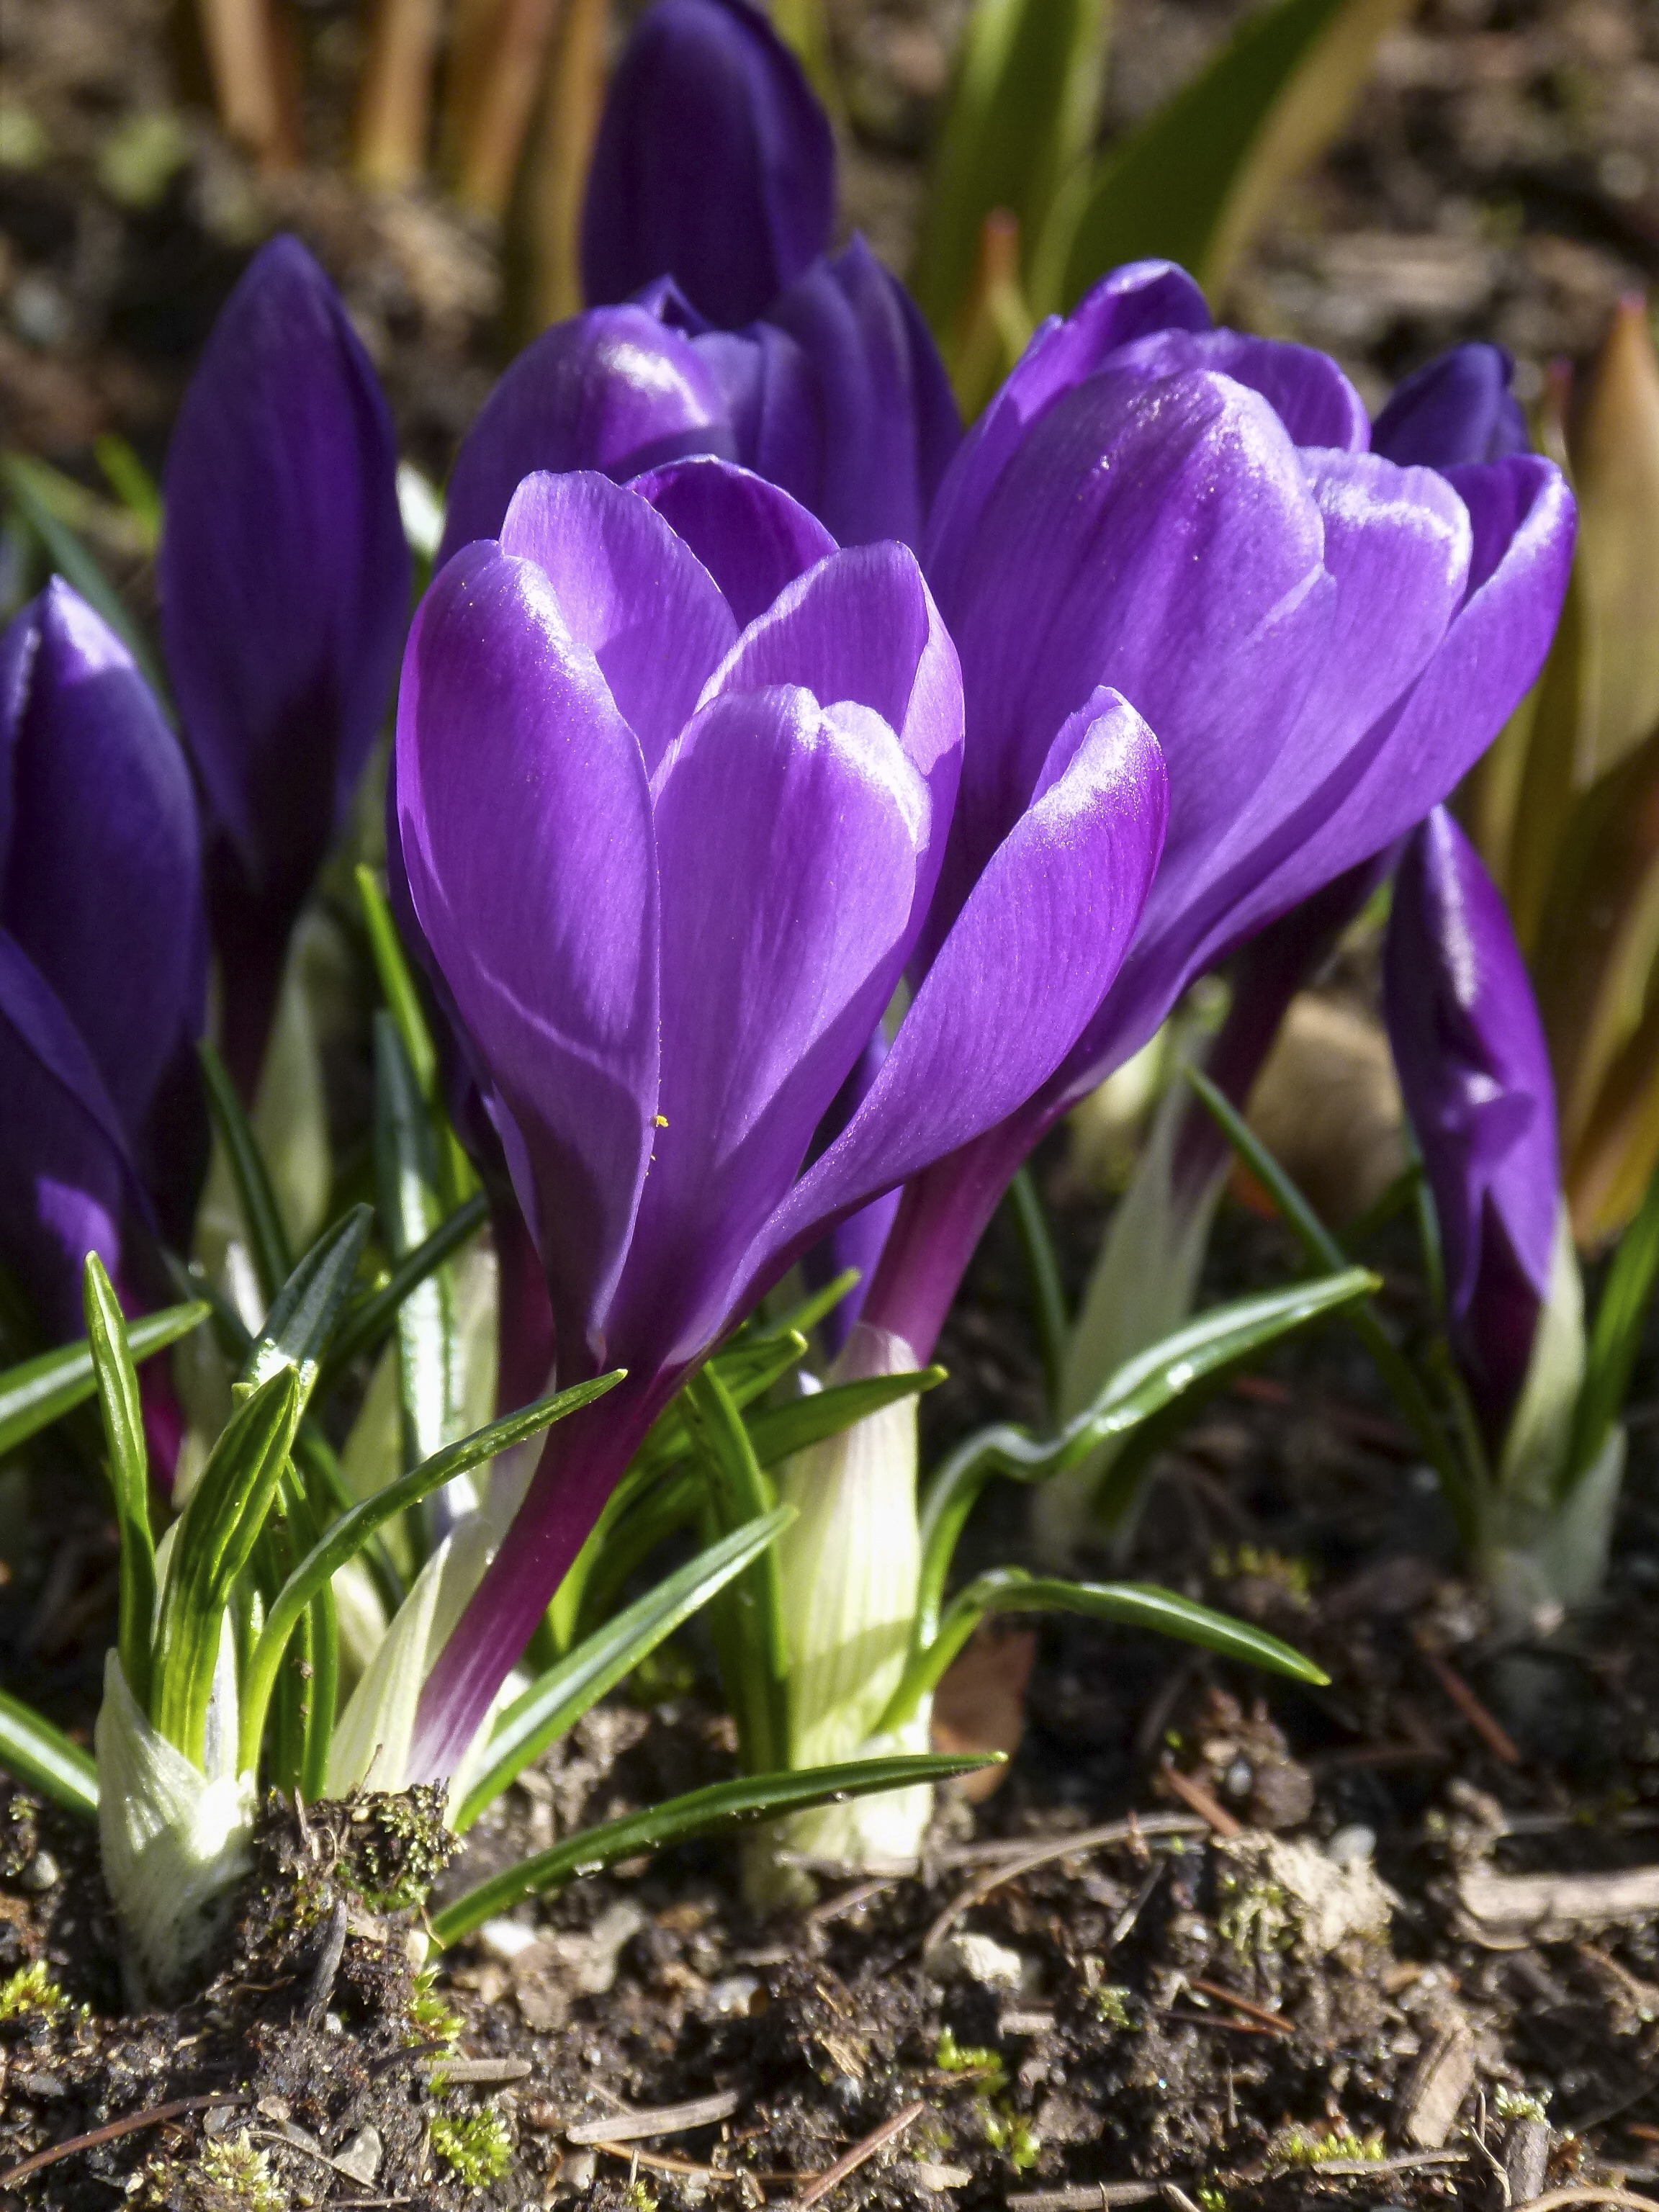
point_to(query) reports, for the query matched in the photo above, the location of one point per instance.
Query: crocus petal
(66, 1176)
(284, 572)
(788, 836)
(856, 1242)
(100, 870)
(1140, 297)
(1160, 536)
(771, 394)
(752, 537)
(1459, 408)
(629, 589)
(714, 163)
(1032, 954)
(1305, 389)
(1475, 1073)
(862, 626)
(524, 814)
(614, 391)
(891, 424)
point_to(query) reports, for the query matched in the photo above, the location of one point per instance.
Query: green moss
(475, 2145)
(1253, 1917)
(1294, 1577)
(30, 1989)
(231, 2176)
(397, 1847)
(430, 2017)
(1113, 2004)
(639, 2196)
(1297, 2147)
(1520, 2104)
(1016, 2138)
(954, 2058)
(1212, 2198)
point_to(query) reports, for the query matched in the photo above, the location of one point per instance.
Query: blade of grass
(1043, 1272)
(1615, 1339)
(367, 1323)
(553, 1706)
(752, 1609)
(42, 1390)
(41, 1757)
(129, 1465)
(268, 1243)
(712, 1811)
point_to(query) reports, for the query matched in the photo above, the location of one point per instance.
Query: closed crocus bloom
(715, 164)
(1474, 1072)
(284, 580)
(1324, 640)
(669, 872)
(1459, 408)
(102, 961)
(838, 396)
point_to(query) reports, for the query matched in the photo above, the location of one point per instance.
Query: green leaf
(29, 482)
(1461, 1483)
(1054, 1323)
(1166, 1378)
(367, 1320)
(1620, 1318)
(42, 1758)
(809, 1313)
(344, 1537)
(132, 483)
(268, 1244)
(1021, 114)
(554, 1705)
(301, 1320)
(747, 1369)
(411, 1208)
(129, 1466)
(215, 1537)
(42, 1390)
(1195, 181)
(1136, 1605)
(712, 1811)
(747, 1620)
(777, 1432)
(456, 1178)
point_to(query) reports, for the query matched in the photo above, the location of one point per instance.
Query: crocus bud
(284, 580)
(1458, 409)
(715, 164)
(1475, 1074)
(102, 959)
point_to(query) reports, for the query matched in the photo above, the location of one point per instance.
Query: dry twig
(877, 2140)
(153, 2118)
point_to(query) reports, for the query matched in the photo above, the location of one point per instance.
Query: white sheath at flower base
(1542, 1554)
(1144, 1285)
(174, 1840)
(850, 1562)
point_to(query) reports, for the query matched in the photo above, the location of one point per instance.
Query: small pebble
(45, 2089)
(360, 2156)
(41, 1873)
(975, 1959)
(576, 2175)
(505, 1939)
(734, 1994)
(926, 2175)
(1351, 1846)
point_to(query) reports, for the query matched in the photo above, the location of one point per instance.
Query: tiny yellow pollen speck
(660, 1120)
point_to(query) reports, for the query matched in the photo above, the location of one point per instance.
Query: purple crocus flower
(1475, 1071)
(670, 871)
(284, 580)
(1324, 640)
(715, 164)
(1460, 408)
(839, 396)
(102, 962)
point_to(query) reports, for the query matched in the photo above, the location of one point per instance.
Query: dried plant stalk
(394, 114)
(519, 32)
(559, 162)
(253, 87)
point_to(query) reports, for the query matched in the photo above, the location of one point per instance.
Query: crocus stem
(253, 101)
(394, 114)
(504, 103)
(583, 1459)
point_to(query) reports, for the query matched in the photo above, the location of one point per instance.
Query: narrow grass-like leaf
(456, 1178)
(411, 1208)
(367, 1322)
(1136, 1605)
(215, 1537)
(129, 1466)
(667, 1507)
(1460, 1484)
(42, 1390)
(1163, 1380)
(301, 1320)
(1054, 1323)
(1022, 113)
(712, 1811)
(1626, 1300)
(805, 1316)
(553, 1704)
(749, 1616)
(41, 1757)
(132, 483)
(746, 1371)
(778, 1432)
(347, 1536)
(268, 1244)
(25, 480)
(1194, 179)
